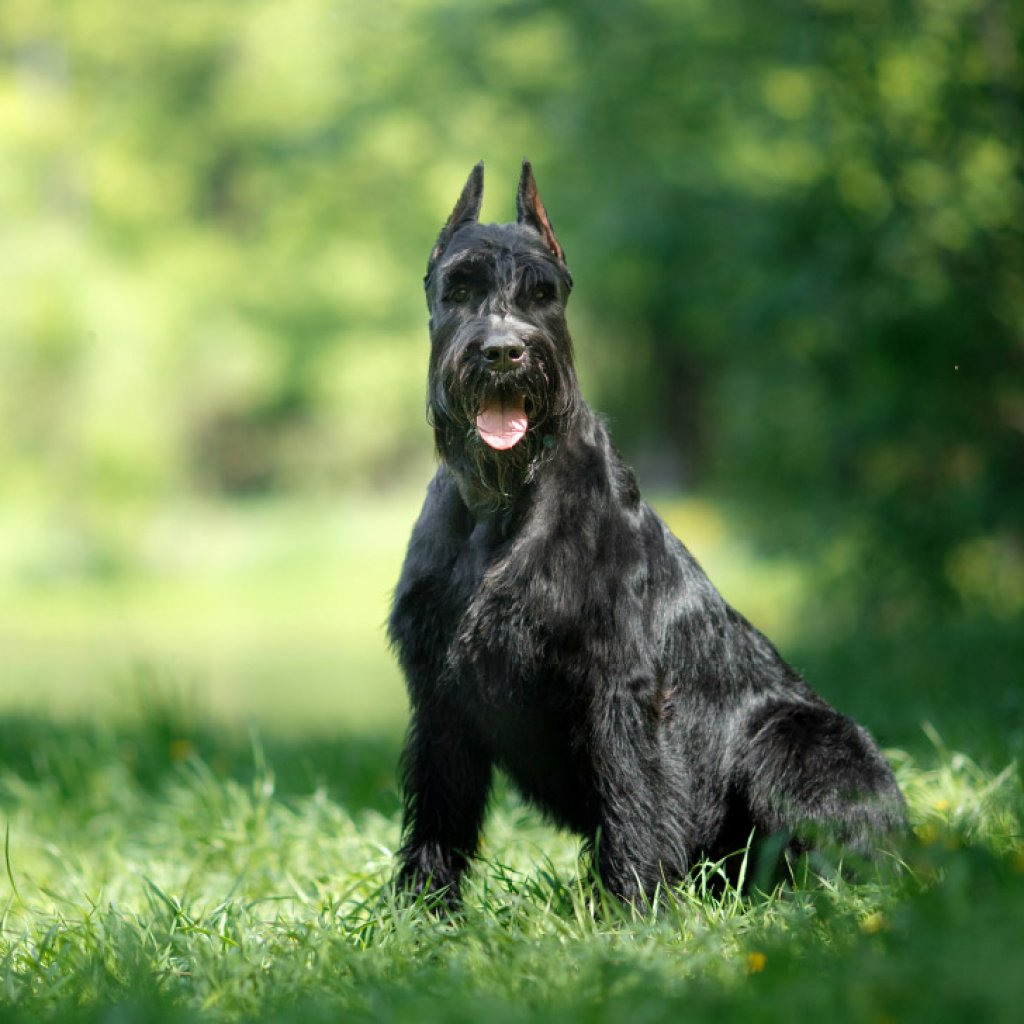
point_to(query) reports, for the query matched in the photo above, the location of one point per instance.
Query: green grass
(162, 871)
(197, 798)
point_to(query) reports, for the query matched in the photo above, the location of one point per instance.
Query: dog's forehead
(494, 245)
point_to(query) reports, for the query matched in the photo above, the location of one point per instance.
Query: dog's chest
(499, 630)
(500, 653)
(510, 684)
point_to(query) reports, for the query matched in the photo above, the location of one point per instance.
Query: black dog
(549, 623)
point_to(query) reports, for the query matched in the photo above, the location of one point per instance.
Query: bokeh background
(797, 234)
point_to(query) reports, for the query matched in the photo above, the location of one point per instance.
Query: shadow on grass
(962, 678)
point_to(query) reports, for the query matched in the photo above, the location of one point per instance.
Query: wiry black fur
(549, 624)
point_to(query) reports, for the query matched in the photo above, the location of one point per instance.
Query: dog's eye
(458, 294)
(543, 293)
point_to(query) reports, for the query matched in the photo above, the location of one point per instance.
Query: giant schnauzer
(548, 623)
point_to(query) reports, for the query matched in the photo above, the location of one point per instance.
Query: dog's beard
(464, 404)
(496, 473)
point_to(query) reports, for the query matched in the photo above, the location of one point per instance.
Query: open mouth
(502, 422)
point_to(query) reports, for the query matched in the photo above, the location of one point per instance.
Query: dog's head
(502, 380)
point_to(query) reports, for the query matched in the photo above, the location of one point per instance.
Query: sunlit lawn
(269, 612)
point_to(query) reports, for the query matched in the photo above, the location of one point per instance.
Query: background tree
(797, 229)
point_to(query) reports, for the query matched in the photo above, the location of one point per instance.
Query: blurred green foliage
(797, 231)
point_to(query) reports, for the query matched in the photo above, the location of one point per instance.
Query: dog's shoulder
(440, 530)
(444, 513)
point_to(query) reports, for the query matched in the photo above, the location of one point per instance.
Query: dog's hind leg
(810, 773)
(643, 841)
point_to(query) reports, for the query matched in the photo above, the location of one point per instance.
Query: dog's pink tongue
(503, 424)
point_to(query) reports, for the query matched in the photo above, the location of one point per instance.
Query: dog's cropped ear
(531, 211)
(467, 211)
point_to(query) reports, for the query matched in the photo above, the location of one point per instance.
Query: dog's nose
(502, 352)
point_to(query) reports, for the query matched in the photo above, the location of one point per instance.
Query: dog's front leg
(446, 781)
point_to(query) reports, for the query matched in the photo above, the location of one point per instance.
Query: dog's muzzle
(502, 421)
